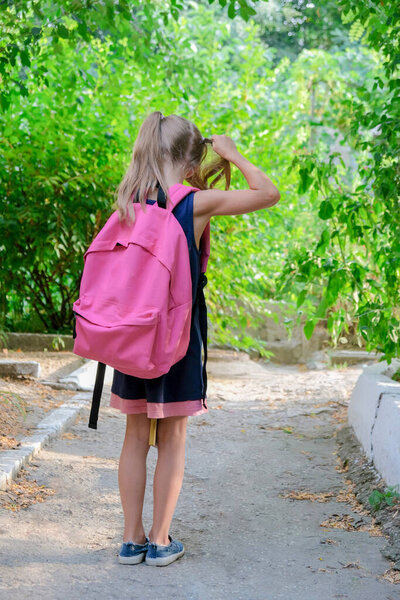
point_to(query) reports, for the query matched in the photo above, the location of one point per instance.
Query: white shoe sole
(165, 560)
(131, 560)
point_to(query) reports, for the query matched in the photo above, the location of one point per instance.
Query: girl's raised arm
(262, 193)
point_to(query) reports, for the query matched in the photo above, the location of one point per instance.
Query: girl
(167, 151)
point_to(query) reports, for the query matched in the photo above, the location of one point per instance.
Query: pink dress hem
(188, 408)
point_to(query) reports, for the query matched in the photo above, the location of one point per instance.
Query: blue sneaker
(160, 556)
(132, 554)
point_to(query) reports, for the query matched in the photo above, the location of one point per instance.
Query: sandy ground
(265, 511)
(25, 401)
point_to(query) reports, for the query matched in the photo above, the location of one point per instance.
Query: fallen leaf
(391, 575)
(22, 492)
(68, 435)
(306, 495)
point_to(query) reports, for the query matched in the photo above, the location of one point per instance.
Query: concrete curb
(84, 377)
(13, 368)
(374, 414)
(11, 461)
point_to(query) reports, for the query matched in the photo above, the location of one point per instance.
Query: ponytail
(162, 139)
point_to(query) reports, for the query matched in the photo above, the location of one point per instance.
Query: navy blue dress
(178, 392)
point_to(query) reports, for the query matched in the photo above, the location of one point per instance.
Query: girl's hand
(224, 146)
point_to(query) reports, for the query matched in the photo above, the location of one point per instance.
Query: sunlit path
(243, 539)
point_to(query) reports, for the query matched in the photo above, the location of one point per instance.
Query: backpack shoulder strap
(177, 193)
(203, 330)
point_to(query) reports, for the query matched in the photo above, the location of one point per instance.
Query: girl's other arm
(262, 193)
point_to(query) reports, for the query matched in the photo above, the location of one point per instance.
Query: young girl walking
(169, 150)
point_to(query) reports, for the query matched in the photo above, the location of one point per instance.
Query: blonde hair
(162, 139)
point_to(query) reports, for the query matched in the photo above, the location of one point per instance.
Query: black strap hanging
(203, 329)
(98, 388)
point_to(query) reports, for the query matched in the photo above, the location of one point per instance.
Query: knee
(171, 433)
(175, 439)
(137, 430)
(137, 439)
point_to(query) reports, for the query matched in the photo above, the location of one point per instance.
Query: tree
(353, 271)
(24, 24)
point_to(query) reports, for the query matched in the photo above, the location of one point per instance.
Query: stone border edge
(11, 461)
(374, 414)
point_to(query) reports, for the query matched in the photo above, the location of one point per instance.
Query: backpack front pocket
(106, 332)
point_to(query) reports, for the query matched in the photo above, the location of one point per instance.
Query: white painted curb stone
(11, 461)
(374, 414)
(84, 377)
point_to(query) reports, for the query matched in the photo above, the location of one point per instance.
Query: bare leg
(168, 476)
(132, 475)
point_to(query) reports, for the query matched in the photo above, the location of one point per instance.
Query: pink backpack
(135, 302)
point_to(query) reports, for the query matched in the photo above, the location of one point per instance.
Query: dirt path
(269, 432)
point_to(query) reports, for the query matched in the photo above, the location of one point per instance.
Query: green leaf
(301, 297)
(5, 101)
(322, 308)
(309, 328)
(82, 29)
(62, 31)
(25, 60)
(305, 180)
(231, 10)
(323, 240)
(326, 210)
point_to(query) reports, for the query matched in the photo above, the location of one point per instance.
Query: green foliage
(57, 343)
(78, 77)
(389, 497)
(26, 23)
(291, 26)
(351, 274)
(3, 339)
(55, 149)
(64, 154)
